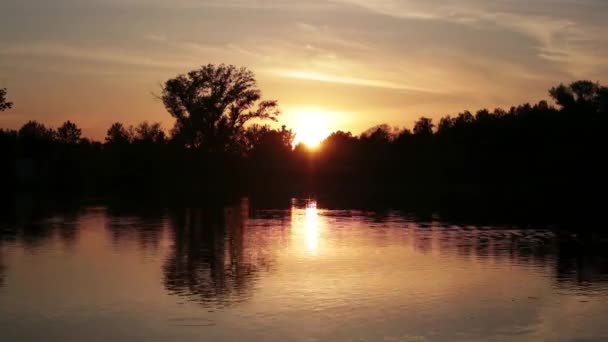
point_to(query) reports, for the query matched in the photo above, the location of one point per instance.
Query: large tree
(4, 103)
(211, 106)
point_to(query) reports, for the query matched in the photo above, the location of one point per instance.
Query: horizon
(312, 138)
(350, 64)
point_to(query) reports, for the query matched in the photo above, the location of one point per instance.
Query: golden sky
(350, 63)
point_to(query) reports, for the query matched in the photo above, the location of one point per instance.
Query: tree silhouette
(35, 131)
(69, 133)
(581, 95)
(149, 133)
(212, 105)
(118, 134)
(4, 103)
(380, 134)
(424, 127)
(265, 140)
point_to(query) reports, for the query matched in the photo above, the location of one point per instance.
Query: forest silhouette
(534, 157)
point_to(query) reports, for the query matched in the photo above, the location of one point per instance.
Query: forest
(534, 157)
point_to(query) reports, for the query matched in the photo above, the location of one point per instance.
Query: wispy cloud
(567, 40)
(354, 81)
(197, 4)
(59, 50)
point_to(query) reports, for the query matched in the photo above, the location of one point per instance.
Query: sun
(311, 127)
(309, 136)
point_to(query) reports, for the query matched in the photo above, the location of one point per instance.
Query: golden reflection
(312, 229)
(306, 227)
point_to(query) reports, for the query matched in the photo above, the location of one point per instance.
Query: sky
(331, 64)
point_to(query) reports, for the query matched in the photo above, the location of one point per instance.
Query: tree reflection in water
(210, 261)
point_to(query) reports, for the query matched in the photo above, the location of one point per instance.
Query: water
(296, 274)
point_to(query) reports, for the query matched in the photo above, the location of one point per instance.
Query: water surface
(301, 273)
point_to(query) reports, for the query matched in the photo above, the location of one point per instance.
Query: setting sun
(311, 127)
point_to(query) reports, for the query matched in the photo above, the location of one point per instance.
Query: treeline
(140, 159)
(529, 156)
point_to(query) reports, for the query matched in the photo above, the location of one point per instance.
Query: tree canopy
(118, 134)
(212, 104)
(581, 95)
(69, 133)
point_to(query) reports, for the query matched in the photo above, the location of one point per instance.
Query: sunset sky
(351, 64)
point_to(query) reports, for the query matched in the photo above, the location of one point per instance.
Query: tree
(151, 133)
(4, 103)
(585, 90)
(261, 139)
(580, 95)
(213, 104)
(253, 136)
(424, 127)
(446, 123)
(339, 144)
(380, 134)
(35, 131)
(69, 133)
(35, 140)
(118, 134)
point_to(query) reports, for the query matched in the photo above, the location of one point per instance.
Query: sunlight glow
(312, 229)
(311, 126)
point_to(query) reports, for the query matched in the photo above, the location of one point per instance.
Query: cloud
(190, 4)
(175, 55)
(568, 40)
(59, 50)
(355, 81)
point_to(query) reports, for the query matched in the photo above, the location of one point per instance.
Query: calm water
(296, 274)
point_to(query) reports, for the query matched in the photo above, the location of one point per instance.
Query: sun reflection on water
(312, 228)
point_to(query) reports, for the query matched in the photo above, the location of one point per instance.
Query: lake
(298, 272)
